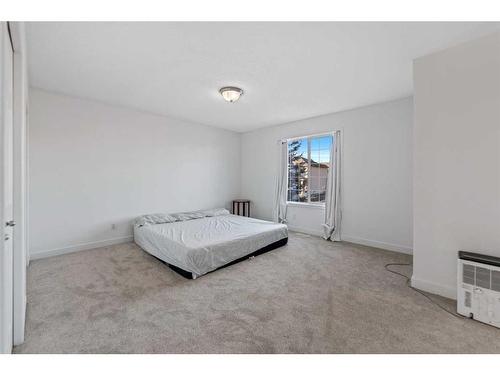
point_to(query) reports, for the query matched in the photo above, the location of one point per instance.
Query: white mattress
(203, 245)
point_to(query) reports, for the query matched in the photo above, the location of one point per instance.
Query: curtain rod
(307, 136)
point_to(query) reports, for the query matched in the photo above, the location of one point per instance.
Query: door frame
(21, 259)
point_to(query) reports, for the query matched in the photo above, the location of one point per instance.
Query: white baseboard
(428, 286)
(80, 247)
(378, 244)
(357, 240)
(305, 230)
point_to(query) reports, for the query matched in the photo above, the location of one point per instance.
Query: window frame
(309, 204)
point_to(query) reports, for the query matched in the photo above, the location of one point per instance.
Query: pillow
(183, 216)
(154, 219)
(215, 212)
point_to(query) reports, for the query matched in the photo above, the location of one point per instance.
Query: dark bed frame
(265, 249)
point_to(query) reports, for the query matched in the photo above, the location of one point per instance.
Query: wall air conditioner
(478, 287)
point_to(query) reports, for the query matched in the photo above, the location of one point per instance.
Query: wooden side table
(241, 207)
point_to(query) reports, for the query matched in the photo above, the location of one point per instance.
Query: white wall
(92, 165)
(457, 160)
(377, 173)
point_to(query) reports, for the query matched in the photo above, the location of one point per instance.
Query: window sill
(306, 205)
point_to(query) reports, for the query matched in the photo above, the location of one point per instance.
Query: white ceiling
(289, 71)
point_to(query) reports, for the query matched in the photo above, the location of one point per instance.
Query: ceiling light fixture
(230, 93)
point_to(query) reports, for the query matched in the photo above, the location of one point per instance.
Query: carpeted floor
(310, 296)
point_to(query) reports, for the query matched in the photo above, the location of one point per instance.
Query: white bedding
(203, 245)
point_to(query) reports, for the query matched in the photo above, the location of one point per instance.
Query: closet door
(6, 190)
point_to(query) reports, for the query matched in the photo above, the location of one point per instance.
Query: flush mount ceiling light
(230, 93)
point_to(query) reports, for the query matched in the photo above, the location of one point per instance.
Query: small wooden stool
(241, 207)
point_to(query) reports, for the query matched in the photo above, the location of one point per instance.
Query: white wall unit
(457, 160)
(92, 165)
(377, 171)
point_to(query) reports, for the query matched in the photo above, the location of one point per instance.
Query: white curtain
(281, 184)
(332, 200)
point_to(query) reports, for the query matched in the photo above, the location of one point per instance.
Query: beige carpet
(310, 296)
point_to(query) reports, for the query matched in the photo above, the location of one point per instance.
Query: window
(308, 165)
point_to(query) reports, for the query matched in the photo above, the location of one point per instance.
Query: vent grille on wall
(469, 274)
(481, 277)
(495, 280)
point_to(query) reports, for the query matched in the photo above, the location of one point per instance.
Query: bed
(196, 243)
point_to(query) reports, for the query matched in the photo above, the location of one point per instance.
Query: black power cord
(408, 284)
